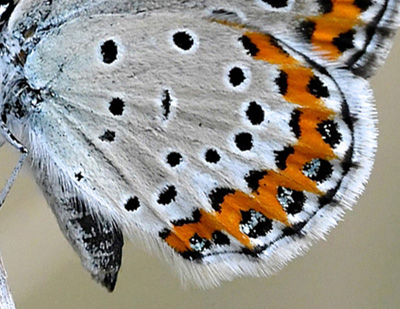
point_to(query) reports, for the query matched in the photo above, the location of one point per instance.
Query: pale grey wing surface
(159, 112)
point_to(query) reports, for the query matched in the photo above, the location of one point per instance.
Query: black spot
(191, 255)
(166, 103)
(254, 224)
(253, 178)
(79, 176)
(220, 238)
(344, 41)
(198, 243)
(217, 197)
(212, 156)
(326, 6)
(255, 113)
(244, 141)
(116, 107)
(363, 5)
(196, 215)
(307, 29)
(183, 40)
(318, 170)
(317, 88)
(330, 132)
(132, 204)
(164, 233)
(251, 48)
(276, 4)
(291, 200)
(174, 159)
(293, 230)
(282, 82)
(327, 197)
(236, 76)
(108, 136)
(109, 51)
(294, 123)
(167, 195)
(282, 155)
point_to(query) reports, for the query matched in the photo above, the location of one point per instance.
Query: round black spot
(236, 76)
(109, 51)
(132, 204)
(212, 156)
(183, 40)
(116, 107)
(254, 224)
(329, 131)
(291, 200)
(318, 170)
(255, 113)
(108, 136)
(167, 195)
(277, 4)
(244, 141)
(174, 158)
(79, 176)
(198, 243)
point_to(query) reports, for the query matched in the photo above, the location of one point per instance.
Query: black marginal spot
(345, 41)
(132, 204)
(199, 244)
(254, 224)
(191, 255)
(330, 132)
(79, 176)
(327, 197)
(196, 215)
(276, 4)
(183, 40)
(282, 155)
(244, 141)
(212, 156)
(116, 107)
(326, 6)
(251, 48)
(108, 136)
(294, 230)
(167, 195)
(174, 159)
(291, 200)
(166, 102)
(164, 233)
(109, 51)
(363, 5)
(255, 113)
(307, 29)
(282, 82)
(294, 123)
(217, 197)
(318, 170)
(236, 76)
(317, 88)
(253, 178)
(220, 238)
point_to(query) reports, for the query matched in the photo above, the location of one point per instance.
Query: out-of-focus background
(358, 266)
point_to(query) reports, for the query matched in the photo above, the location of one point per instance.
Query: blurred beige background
(358, 267)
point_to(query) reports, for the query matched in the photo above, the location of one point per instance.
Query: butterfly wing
(228, 135)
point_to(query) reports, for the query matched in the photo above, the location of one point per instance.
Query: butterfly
(226, 136)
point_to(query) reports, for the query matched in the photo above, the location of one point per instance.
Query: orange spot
(343, 17)
(309, 146)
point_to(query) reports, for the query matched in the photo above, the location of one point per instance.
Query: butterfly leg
(12, 140)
